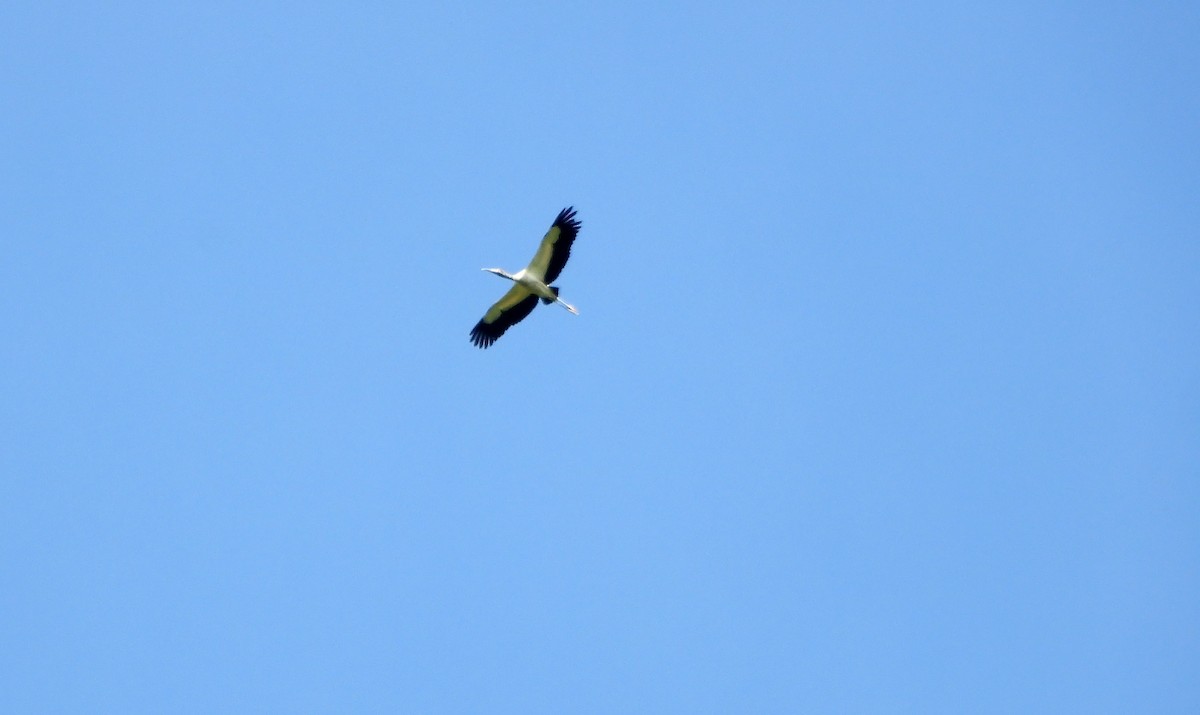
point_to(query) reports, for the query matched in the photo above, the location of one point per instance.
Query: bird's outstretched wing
(555, 248)
(517, 303)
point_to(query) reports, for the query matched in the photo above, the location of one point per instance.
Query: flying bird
(531, 283)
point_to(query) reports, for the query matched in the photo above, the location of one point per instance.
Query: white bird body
(531, 282)
(528, 280)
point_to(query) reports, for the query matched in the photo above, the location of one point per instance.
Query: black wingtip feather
(481, 337)
(566, 219)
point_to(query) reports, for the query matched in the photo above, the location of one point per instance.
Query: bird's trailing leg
(567, 305)
(553, 298)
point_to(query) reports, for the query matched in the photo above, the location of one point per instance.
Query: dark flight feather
(485, 333)
(569, 228)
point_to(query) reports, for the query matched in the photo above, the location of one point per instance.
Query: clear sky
(884, 395)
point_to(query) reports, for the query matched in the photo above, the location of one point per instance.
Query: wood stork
(532, 282)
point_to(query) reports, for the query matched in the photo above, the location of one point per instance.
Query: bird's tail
(548, 301)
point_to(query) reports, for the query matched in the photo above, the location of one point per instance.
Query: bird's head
(498, 272)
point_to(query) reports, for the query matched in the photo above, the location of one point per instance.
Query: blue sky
(883, 396)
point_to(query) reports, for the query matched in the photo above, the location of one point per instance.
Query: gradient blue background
(885, 395)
